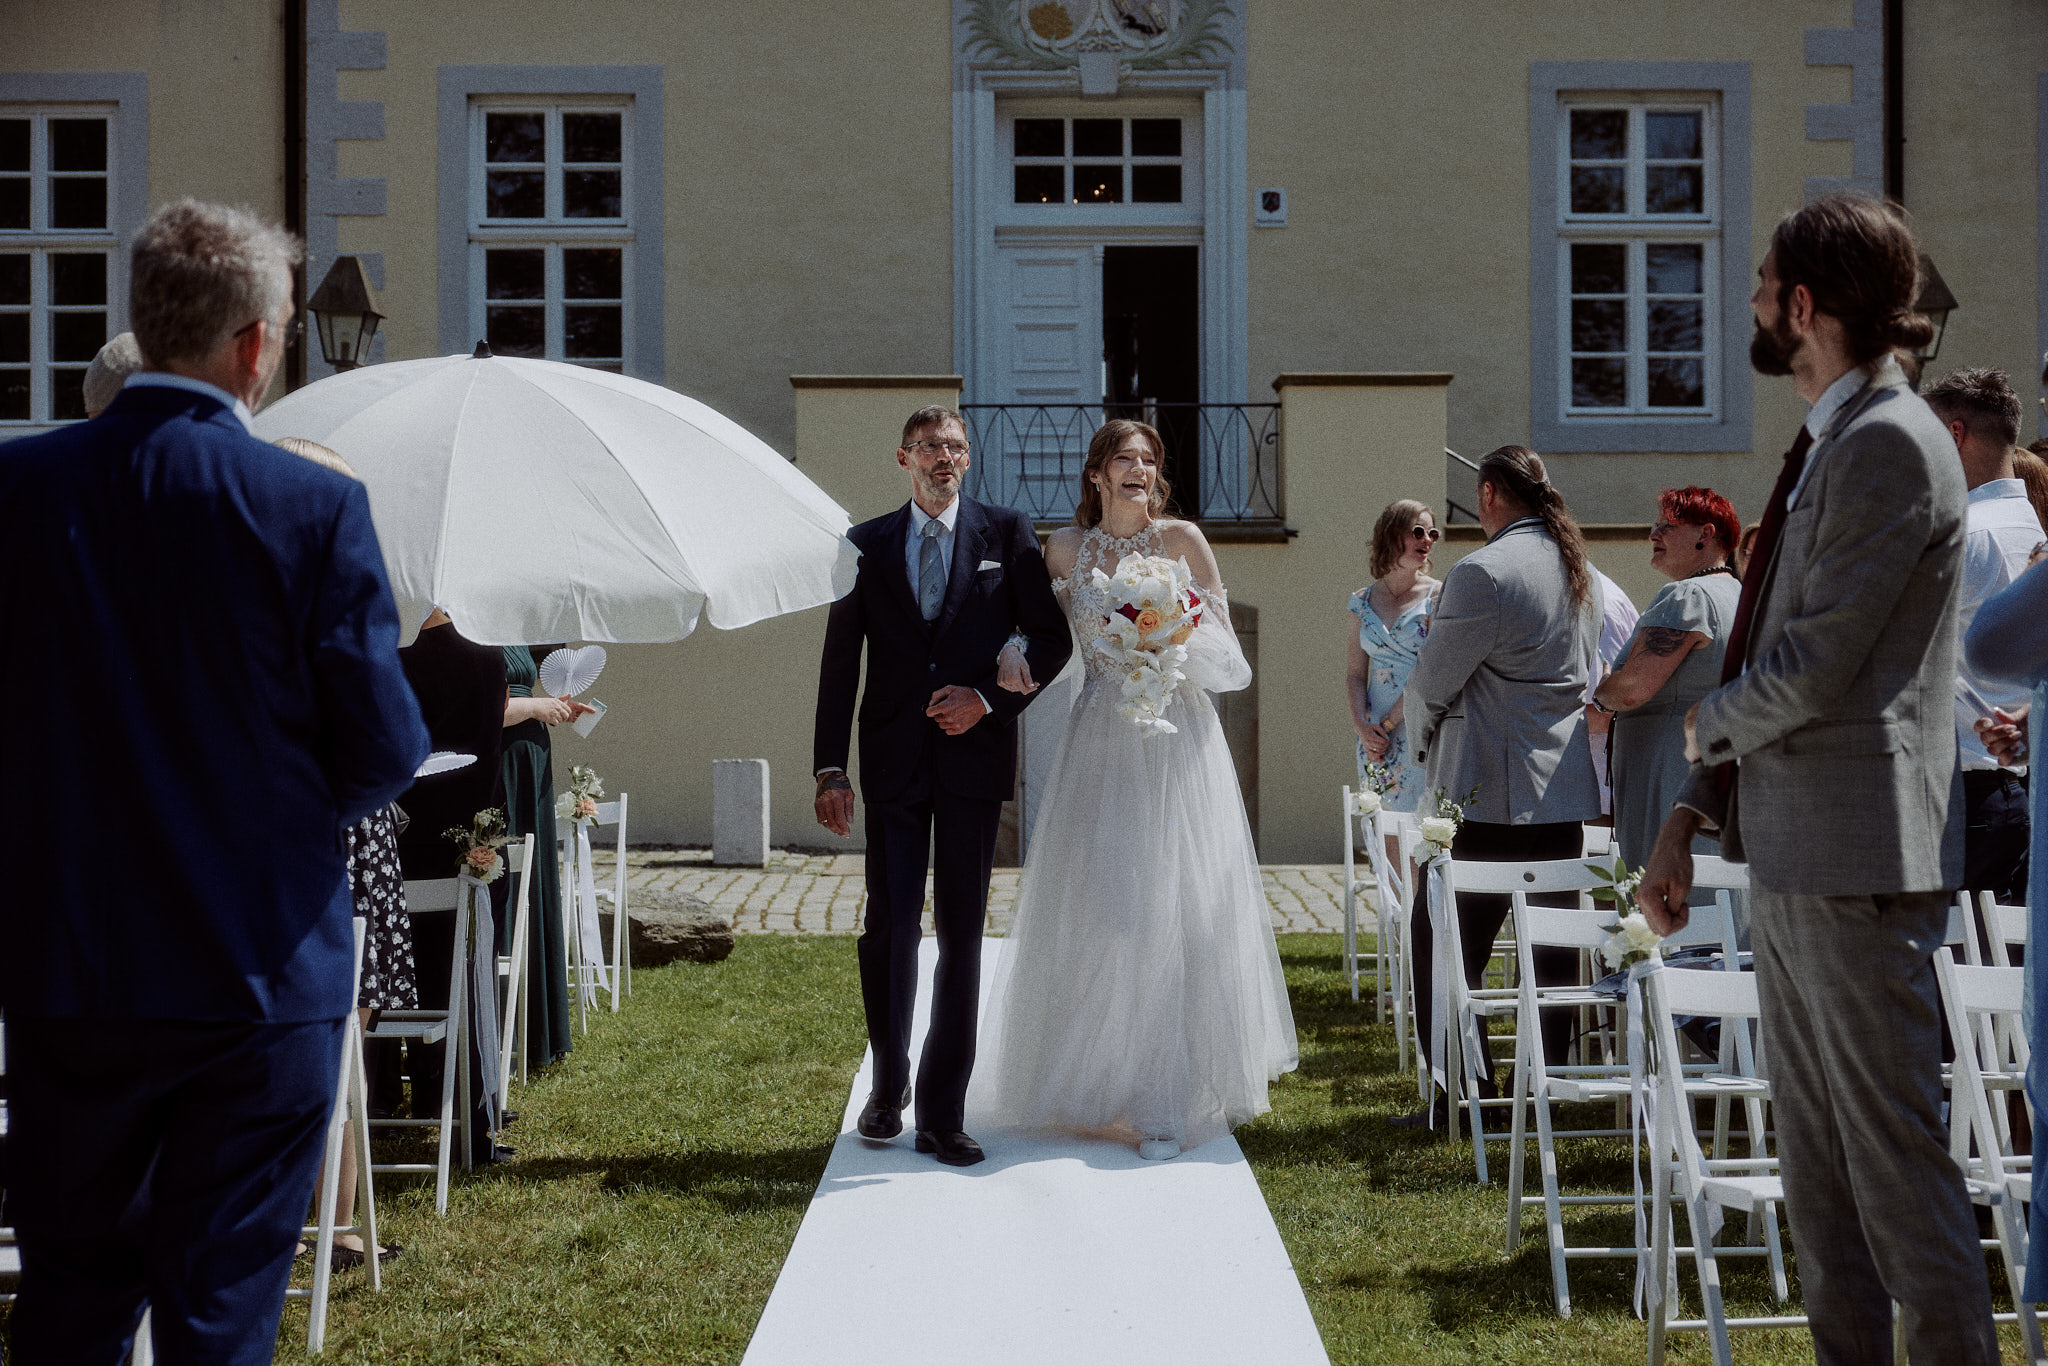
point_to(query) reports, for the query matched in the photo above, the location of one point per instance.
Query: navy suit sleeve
(838, 681)
(375, 736)
(1036, 613)
(2006, 642)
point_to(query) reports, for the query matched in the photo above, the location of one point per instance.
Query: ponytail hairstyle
(1516, 473)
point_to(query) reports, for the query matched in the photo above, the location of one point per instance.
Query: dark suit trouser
(166, 1161)
(1853, 1050)
(901, 839)
(1479, 920)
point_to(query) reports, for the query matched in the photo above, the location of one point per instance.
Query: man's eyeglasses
(1424, 533)
(957, 449)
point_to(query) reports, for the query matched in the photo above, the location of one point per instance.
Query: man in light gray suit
(1497, 706)
(1830, 767)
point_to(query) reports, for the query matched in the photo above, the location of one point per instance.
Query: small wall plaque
(1269, 208)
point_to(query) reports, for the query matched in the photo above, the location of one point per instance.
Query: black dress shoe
(880, 1121)
(950, 1146)
(347, 1258)
(1436, 1116)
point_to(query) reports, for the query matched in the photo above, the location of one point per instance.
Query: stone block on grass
(669, 927)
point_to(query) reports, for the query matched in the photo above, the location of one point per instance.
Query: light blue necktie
(931, 573)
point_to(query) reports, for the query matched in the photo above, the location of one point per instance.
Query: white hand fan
(565, 673)
(443, 761)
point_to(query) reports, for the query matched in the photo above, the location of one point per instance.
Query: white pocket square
(988, 564)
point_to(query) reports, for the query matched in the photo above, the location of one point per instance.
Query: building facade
(814, 217)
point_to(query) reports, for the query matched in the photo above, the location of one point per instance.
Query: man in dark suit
(944, 583)
(220, 696)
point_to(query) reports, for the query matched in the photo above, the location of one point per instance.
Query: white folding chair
(1537, 1084)
(1469, 1009)
(1597, 841)
(351, 1110)
(1354, 827)
(448, 1027)
(512, 968)
(1681, 1173)
(614, 814)
(1389, 899)
(1982, 1004)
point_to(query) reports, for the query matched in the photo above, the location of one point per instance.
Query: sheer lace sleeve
(1215, 661)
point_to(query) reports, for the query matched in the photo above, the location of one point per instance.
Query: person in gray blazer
(1827, 762)
(1496, 707)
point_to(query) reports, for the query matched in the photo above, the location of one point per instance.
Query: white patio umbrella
(536, 501)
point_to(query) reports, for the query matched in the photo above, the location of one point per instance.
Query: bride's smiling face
(1129, 473)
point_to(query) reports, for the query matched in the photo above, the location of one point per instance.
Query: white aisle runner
(1055, 1250)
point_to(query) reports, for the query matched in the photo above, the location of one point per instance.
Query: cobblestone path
(800, 893)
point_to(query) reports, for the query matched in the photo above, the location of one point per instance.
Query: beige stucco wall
(1972, 174)
(807, 177)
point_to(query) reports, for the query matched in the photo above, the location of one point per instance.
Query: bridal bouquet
(1153, 611)
(579, 803)
(479, 842)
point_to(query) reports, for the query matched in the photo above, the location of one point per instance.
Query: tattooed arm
(1653, 656)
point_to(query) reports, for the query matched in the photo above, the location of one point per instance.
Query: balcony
(1222, 460)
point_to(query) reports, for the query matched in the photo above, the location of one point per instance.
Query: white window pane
(14, 338)
(78, 202)
(517, 329)
(78, 144)
(1599, 189)
(1676, 325)
(1599, 268)
(13, 395)
(515, 137)
(1040, 184)
(1677, 382)
(14, 279)
(591, 137)
(67, 394)
(1674, 189)
(1599, 134)
(14, 134)
(1672, 135)
(592, 194)
(516, 194)
(593, 331)
(78, 278)
(1098, 137)
(515, 273)
(1599, 383)
(1039, 138)
(1674, 267)
(593, 273)
(1155, 137)
(1599, 325)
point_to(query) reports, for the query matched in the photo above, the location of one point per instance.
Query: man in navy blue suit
(944, 583)
(218, 695)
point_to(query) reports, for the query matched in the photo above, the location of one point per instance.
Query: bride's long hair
(1111, 435)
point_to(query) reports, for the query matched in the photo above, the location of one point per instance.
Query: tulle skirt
(1139, 992)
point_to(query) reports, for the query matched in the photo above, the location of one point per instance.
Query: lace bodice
(1087, 605)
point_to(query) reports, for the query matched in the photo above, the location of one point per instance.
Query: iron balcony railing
(1459, 480)
(1222, 459)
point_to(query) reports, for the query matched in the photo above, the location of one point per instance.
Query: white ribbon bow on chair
(591, 937)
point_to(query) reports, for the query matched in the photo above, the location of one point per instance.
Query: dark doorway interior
(1151, 341)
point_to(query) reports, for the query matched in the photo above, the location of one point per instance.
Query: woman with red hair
(1672, 661)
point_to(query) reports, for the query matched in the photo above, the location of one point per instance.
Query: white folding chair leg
(359, 1120)
(330, 1188)
(512, 1037)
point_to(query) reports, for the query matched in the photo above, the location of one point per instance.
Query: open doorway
(1152, 353)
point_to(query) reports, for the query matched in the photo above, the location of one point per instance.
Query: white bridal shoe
(1158, 1149)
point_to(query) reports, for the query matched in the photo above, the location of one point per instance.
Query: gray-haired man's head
(203, 276)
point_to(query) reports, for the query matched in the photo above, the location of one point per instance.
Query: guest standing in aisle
(1497, 709)
(1826, 760)
(528, 767)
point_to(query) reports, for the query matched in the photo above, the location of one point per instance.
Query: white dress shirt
(164, 379)
(1999, 535)
(1823, 412)
(913, 544)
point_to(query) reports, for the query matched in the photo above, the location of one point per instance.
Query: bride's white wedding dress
(1139, 992)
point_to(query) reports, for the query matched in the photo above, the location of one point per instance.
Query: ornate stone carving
(1137, 35)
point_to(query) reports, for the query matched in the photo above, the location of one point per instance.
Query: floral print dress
(377, 886)
(1393, 651)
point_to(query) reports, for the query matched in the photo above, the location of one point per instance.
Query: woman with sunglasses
(1393, 620)
(1672, 661)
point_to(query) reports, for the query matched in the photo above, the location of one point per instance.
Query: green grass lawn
(663, 1169)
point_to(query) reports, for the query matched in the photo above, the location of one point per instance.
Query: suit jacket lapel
(894, 568)
(970, 534)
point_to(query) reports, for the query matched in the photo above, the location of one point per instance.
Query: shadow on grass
(739, 1182)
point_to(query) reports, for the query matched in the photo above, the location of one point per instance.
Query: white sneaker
(1158, 1149)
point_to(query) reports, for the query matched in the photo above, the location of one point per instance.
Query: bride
(1139, 993)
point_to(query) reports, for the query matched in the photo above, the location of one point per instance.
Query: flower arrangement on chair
(1630, 939)
(479, 842)
(1439, 830)
(579, 804)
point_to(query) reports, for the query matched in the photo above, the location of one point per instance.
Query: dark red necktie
(1754, 583)
(1758, 579)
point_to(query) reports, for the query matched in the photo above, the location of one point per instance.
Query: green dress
(527, 764)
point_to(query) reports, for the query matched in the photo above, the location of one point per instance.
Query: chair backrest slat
(431, 894)
(1689, 991)
(1709, 870)
(1557, 875)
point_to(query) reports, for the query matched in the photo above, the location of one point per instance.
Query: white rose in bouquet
(1632, 942)
(1439, 830)
(1365, 803)
(1153, 610)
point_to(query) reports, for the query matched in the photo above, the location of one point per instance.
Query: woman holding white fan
(1139, 994)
